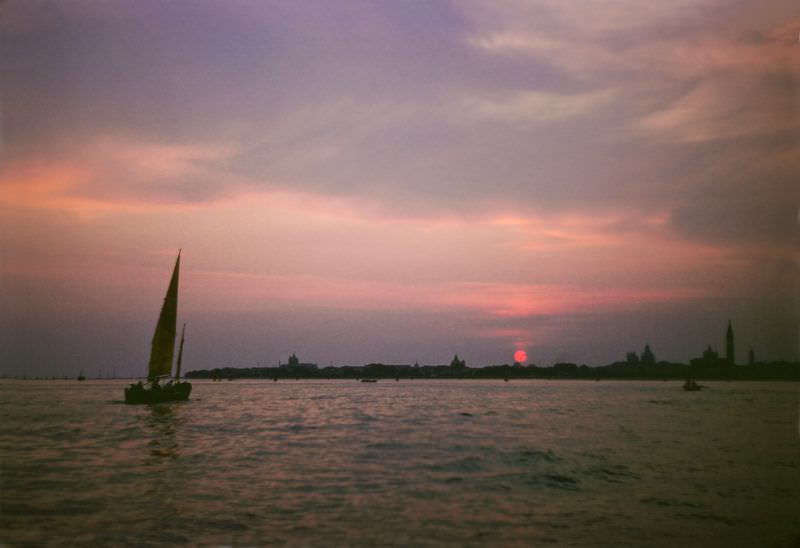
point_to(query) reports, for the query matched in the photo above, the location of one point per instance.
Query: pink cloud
(740, 87)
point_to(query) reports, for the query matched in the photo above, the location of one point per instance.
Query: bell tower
(729, 346)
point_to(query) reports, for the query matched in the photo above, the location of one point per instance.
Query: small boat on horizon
(161, 352)
(690, 385)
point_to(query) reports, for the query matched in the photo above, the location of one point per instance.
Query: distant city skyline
(399, 183)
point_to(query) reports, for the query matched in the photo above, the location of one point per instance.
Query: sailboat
(163, 348)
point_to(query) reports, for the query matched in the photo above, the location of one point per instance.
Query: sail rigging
(163, 345)
(180, 355)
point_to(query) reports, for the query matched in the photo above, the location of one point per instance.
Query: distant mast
(180, 355)
(163, 346)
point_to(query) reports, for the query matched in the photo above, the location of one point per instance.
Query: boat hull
(140, 394)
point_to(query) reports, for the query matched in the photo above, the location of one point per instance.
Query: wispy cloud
(110, 174)
(538, 107)
(724, 109)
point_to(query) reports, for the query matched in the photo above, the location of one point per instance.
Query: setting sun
(520, 356)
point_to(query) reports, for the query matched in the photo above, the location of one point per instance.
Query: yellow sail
(164, 337)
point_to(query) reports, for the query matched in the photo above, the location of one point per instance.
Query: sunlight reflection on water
(414, 462)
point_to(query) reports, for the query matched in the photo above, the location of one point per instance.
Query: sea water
(423, 463)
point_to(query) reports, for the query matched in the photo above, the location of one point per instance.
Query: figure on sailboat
(163, 348)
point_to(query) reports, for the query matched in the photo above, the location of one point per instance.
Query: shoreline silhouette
(779, 370)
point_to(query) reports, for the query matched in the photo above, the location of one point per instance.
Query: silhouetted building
(648, 358)
(709, 359)
(729, 345)
(294, 363)
(751, 357)
(457, 363)
(631, 358)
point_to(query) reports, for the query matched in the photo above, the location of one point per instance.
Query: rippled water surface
(401, 463)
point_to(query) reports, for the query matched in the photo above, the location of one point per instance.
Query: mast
(163, 345)
(180, 355)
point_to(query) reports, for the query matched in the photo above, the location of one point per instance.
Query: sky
(397, 182)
